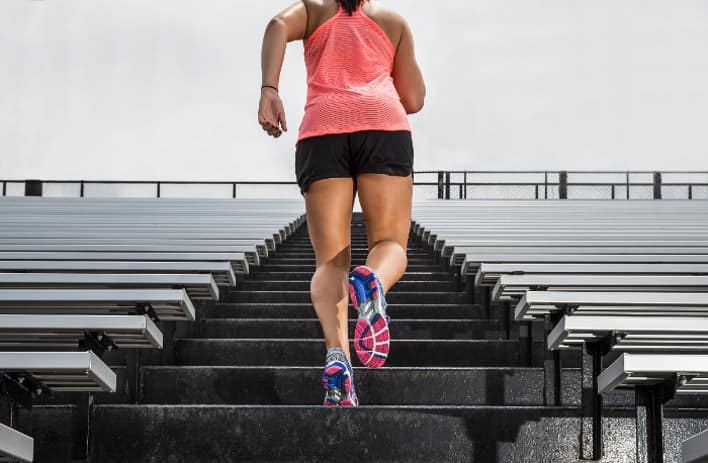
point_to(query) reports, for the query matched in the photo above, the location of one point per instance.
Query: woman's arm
(407, 76)
(287, 26)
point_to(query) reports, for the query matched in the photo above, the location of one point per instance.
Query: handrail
(449, 187)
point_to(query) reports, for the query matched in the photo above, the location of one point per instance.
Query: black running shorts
(351, 154)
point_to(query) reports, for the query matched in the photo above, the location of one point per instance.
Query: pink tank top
(349, 62)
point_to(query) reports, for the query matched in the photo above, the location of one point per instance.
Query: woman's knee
(396, 241)
(329, 281)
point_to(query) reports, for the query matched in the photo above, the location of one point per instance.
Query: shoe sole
(371, 335)
(337, 374)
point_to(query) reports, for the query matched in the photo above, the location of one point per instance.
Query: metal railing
(532, 185)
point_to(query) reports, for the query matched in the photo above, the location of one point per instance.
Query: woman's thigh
(329, 205)
(386, 201)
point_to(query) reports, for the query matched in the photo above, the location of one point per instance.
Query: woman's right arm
(287, 26)
(407, 76)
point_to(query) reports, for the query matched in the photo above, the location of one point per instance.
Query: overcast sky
(168, 89)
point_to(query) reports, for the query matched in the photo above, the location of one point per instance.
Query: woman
(363, 80)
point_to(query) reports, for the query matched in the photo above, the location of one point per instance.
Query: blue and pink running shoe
(371, 335)
(338, 380)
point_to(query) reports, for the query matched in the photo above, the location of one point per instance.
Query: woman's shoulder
(388, 19)
(392, 23)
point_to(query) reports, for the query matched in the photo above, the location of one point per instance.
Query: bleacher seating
(81, 277)
(15, 446)
(602, 276)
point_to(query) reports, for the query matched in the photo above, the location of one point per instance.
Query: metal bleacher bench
(473, 261)
(15, 446)
(688, 373)
(59, 371)
(603, 276)
(514, 286)
(197, 286)
(162, 304)
(69, 331)
(222, 272)
(80, 276)
(538, 304)
(238, 261)
(488, 274)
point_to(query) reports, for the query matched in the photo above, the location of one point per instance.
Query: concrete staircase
(246, 387)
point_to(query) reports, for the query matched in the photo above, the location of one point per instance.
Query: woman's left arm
(287, 26)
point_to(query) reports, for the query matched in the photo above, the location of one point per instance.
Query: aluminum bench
(459, 255)
(238, 261)
(514, 286)
(631, 333)
(473, 261)
(198, 287)
(489, 274)
(59, 371)
(161, 304)
(539, 304)
(456, 250)
(222, 272)
(67, 331)
(689, 373)
(260, 239)
(15, 446)
(695, 449)
(121, 242)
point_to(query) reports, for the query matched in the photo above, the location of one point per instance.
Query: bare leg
(329, 214)
(386, 201)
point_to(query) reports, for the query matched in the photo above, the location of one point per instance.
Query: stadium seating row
(79, 277)
(628, 278)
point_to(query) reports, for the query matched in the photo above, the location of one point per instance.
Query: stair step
(394, 297)
(437, 275)
(278, 260)
(301, 386)
(209, 434)
(304, 285)
(305, 252)
(310, 328)
(267, 267)
(306, 310)
(311, 352)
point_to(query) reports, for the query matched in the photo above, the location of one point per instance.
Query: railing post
(4, 188)
(158, 189)
(234, 191)
(82, 188)
(657, 185)
(628, 185)
(690, 191)
(441, 185)
(465, 190)
(545, 185)
(33, 188)
(563, 187)
(447, 185)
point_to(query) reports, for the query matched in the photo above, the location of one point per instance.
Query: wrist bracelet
(269, 86)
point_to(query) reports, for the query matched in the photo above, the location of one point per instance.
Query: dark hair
(350, 5)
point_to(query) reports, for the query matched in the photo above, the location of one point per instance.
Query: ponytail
(350, 5)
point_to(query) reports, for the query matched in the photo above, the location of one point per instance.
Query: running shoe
(338, 380)
(371, 335)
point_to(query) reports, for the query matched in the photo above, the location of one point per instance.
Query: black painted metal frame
(445, 183)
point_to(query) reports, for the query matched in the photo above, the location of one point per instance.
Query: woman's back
(350, 60)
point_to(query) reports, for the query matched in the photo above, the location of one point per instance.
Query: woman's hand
(271, 114)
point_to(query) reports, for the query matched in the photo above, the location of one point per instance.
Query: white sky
(168, 89)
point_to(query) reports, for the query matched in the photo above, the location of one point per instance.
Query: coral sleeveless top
(349, 62)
